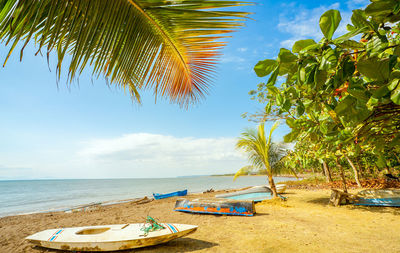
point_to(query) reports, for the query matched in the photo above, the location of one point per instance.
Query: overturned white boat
(108, 237)
(255, 193)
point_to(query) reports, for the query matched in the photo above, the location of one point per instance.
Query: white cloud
(301, 23)
(152, 155)
(242, 49)
(136, 155)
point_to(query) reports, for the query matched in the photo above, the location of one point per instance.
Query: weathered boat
(108, 237)
(168, 195)
(215, 206)
(256, 193)
(380, 197)
(280, 188)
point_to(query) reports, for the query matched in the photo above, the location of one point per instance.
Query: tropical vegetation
(170, 47)
(262, 153)
(340, 96)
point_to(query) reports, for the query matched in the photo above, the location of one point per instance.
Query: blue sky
(90, 130)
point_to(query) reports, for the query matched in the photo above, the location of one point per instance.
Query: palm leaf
(168, 46)
(243, 171)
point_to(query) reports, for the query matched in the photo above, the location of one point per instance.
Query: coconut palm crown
(262, 152)
(170, 47)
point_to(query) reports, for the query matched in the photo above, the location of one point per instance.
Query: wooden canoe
(215, 206)
(107, 237)
(168, 195)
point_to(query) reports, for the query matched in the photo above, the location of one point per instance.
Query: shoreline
(30, 202)
(303, 223)
(106, 203)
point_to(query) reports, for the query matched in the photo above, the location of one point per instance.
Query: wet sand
(304, 223)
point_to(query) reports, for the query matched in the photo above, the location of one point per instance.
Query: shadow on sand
(178, 245)
(374, 209)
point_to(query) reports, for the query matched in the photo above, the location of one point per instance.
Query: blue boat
(215, 206)
(168, 195)
(381, 197)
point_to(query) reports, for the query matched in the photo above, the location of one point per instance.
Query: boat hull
(169, 195)
(381, 197)
(256, 193)
(112, 239)
(220, 207)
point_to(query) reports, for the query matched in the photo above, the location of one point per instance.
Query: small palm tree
(262, 153)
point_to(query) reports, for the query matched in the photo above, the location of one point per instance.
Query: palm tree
(166, 45)
(262, 153)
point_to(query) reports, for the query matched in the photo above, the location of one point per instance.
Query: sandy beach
(304, 223)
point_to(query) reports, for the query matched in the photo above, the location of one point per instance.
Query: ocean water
(29, 196)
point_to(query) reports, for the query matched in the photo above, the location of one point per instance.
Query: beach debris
(84, 208)
(151, 225)
(216, 206)
(142, 201)
(209, 190)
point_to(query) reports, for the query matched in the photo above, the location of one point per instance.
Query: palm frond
(168, 46)
(262, 153)
(243, 171)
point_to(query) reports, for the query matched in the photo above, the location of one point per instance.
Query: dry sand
(303, 224)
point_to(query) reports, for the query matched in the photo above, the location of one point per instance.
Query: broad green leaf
(329, 59)
(268, 108)
(273, 77)
(290, 137)
(395, 96)
(311, 48)
(290, 122)
(345, 106)
(374, 68)
(301, 44)
(279, 99)
(348, 68)
(349, 35)
(300, 109)
(286, 105)
(320, 78)
(359, 20)
(380, 8)
(264, 68)
(285, 56)
(358, 91)
(329, 22)
(351, 44)
(273, 90)
(380, 92)
(394, 84)
(376, 45)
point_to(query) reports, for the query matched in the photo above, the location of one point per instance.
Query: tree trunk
(356, 175)
(341, 174)
(361, 172)
(272, 185)
(327, 172)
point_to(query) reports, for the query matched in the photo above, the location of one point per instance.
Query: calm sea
(28, 196)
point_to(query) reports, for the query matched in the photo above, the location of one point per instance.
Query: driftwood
(339, 197)
(142, 201)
